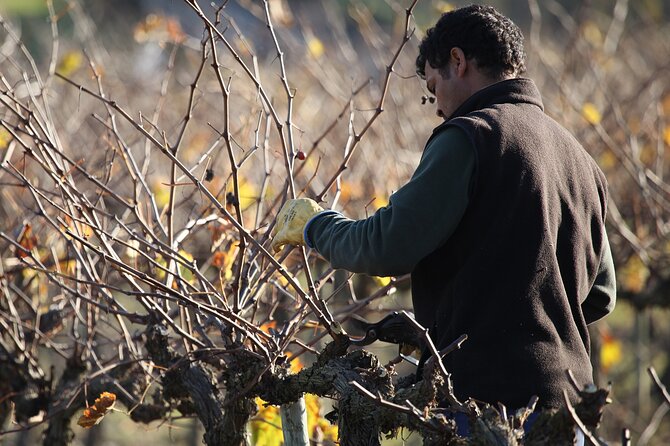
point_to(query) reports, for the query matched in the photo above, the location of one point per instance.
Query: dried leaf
(26, 239)
(77, 227)
(174, 31)
(94, 414)
(159, 28)
(224, 261)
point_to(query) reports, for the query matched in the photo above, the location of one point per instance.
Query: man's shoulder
(449, 133)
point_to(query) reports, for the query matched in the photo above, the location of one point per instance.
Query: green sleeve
(419, 218)
(602, 297)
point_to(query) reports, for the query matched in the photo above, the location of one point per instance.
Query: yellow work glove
(291, 222)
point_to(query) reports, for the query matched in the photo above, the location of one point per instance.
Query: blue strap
(463, 423)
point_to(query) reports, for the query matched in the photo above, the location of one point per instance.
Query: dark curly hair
(485, 35)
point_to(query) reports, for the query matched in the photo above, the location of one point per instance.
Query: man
(502, 225)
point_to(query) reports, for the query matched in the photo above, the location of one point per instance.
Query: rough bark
(363, 420)
(190, 385)
(22, 385)
(360, 420)
(186, 380)
(208, 404)
(58, 432)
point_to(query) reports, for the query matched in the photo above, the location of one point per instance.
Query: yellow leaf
(381, 281)
(296, 365)
(329, 430)
(591, 113)
(76, 227)
(313, 409)
(315, 422)
(266, 426)
(186, 255)
(67, 266)
(282, 280)
(610, 352)
(350, 191)
(315, 47)
(184, 271)
(607, 160)
(69, 63)
(5, 138)
(94, 414)
(665, 104)
(592, 34)
(161, 192)
(443, 7)
(634, 274)
(159, 273)
(268, 325)
(248, 194)
(666, 136)
(379, 202)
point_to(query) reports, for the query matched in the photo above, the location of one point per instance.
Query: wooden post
(642, 338)
(294, 423)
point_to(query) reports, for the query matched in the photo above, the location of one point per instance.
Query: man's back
(524, 257)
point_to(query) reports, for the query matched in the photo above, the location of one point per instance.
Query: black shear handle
(394, 328)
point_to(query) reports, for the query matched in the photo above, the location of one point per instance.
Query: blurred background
(603, 67)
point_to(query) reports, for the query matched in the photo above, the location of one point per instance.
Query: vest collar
(510, 91)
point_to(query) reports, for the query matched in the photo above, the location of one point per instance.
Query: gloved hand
(291, 222)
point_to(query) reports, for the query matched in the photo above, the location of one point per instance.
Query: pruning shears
(395, 328)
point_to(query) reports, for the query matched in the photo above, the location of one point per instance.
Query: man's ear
(459, 61)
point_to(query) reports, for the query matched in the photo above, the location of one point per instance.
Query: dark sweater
(524, 257)
(507, 246)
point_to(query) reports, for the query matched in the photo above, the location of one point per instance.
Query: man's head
(477, 45)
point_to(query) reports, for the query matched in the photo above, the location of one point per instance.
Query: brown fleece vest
(523, 258)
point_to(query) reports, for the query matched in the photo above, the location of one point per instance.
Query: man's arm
(419, 218)
(602, 297)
